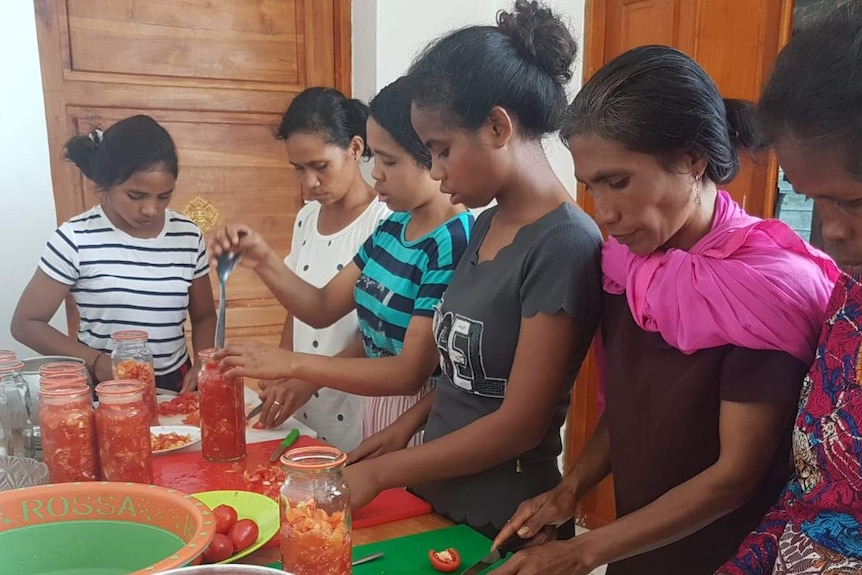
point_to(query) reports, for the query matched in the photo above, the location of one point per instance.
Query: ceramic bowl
(101, 527)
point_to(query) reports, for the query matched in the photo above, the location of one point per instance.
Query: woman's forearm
(46, 340)
(593, 464)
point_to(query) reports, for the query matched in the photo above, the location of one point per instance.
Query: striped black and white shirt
(122, 282)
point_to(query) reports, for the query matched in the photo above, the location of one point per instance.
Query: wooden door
(217, 74)
(736, 41)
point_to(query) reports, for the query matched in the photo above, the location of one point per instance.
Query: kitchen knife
(366, 559)
(511, 545)
(288, 440)
(254, 412)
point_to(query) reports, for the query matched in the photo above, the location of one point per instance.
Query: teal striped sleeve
(451, 244)
(367, 247)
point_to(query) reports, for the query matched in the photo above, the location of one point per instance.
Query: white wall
(387, 34)
(28, 203)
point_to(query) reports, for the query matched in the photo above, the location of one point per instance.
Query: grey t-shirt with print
(552, 265)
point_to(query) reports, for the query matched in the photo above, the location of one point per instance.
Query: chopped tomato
(183, 404)
(193, 418)
(265, 479)
(163, 441)
(445, 561)
(258, 425)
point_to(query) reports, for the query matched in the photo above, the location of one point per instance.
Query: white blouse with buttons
(335, 416)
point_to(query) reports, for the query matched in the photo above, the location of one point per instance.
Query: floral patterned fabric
(816, 526)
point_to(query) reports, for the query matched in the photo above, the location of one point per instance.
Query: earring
(698, 201)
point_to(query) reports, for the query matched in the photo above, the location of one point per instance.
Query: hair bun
(81, 151)
(541, 36)
(743, 125)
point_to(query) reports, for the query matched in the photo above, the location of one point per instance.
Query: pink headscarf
(749, 282)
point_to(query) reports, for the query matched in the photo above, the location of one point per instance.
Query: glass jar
(64, 368)
(132, 359)
(7, 354)
(315, 512)
(19, 405)
(68, 426)
(222, 408)
(123, 432)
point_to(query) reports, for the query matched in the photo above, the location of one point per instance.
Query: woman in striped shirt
(129, 262)
(394, 283)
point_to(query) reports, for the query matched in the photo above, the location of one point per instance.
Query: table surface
(363, 536)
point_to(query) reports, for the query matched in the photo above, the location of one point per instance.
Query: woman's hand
(239, 238)
(103, 369)
(534, 516)
(555, 558)
(362, 480)
(190, 381)
(391, 438)
(255, 359)
(281, 399)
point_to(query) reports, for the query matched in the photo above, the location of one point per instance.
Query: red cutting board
(189, 473)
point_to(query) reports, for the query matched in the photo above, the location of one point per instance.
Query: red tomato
(243, 533)
(225, 517)
(220, 549)
(258, 425)
(445, 561)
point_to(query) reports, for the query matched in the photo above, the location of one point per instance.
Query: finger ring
(276, 403)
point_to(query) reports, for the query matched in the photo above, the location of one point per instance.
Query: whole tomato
(243, 534)
(220, 549)
(225, 517)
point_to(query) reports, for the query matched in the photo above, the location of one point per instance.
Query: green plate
(259, 508)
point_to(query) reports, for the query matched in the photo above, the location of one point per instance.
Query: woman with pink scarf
(710, 322)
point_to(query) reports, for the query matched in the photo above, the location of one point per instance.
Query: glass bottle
(123, 432)
(222, 408)
(315, 512)
(19, 405)
(68, 423)
(132, 359)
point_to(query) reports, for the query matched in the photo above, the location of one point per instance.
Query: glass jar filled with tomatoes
(64, 368)
(123, 432)
(68, 424)
(222, 409)
(315, 512)
(132, 359)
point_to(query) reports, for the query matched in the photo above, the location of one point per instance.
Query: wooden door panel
(217, 74)
(736, 41)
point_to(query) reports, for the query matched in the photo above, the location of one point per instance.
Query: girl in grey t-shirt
(521, 309)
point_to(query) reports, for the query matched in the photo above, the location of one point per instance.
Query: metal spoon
(225, 264)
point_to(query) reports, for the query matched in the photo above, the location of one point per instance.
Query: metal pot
(225, 569)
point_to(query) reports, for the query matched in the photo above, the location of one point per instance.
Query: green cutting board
(409, 555)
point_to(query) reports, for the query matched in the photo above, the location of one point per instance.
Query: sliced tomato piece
(445, 561)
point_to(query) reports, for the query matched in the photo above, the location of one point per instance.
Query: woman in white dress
(324, 133)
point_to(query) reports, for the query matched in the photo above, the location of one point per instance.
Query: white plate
(190, 430)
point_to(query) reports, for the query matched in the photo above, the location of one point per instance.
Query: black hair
(328, 113)
(132, 145)
(391, 109)
(815, 92)
(656, 100)
(522, 65)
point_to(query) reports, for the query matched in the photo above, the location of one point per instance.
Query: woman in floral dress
(812, 108)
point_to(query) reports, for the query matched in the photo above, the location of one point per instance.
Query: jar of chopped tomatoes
(63, 368)
(315, 512)
(132, 359)
(222, 408)
(68, 424)
(123, 432)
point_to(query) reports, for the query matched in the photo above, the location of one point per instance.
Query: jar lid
(117, 387)
(68, 390)
(11, 365)
(59, 380)
(129, 335)
(316, 459)
(61, 367)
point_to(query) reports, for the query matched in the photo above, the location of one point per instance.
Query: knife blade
(366, 559)
(511, 545)
(288, 440)
(254, 412)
